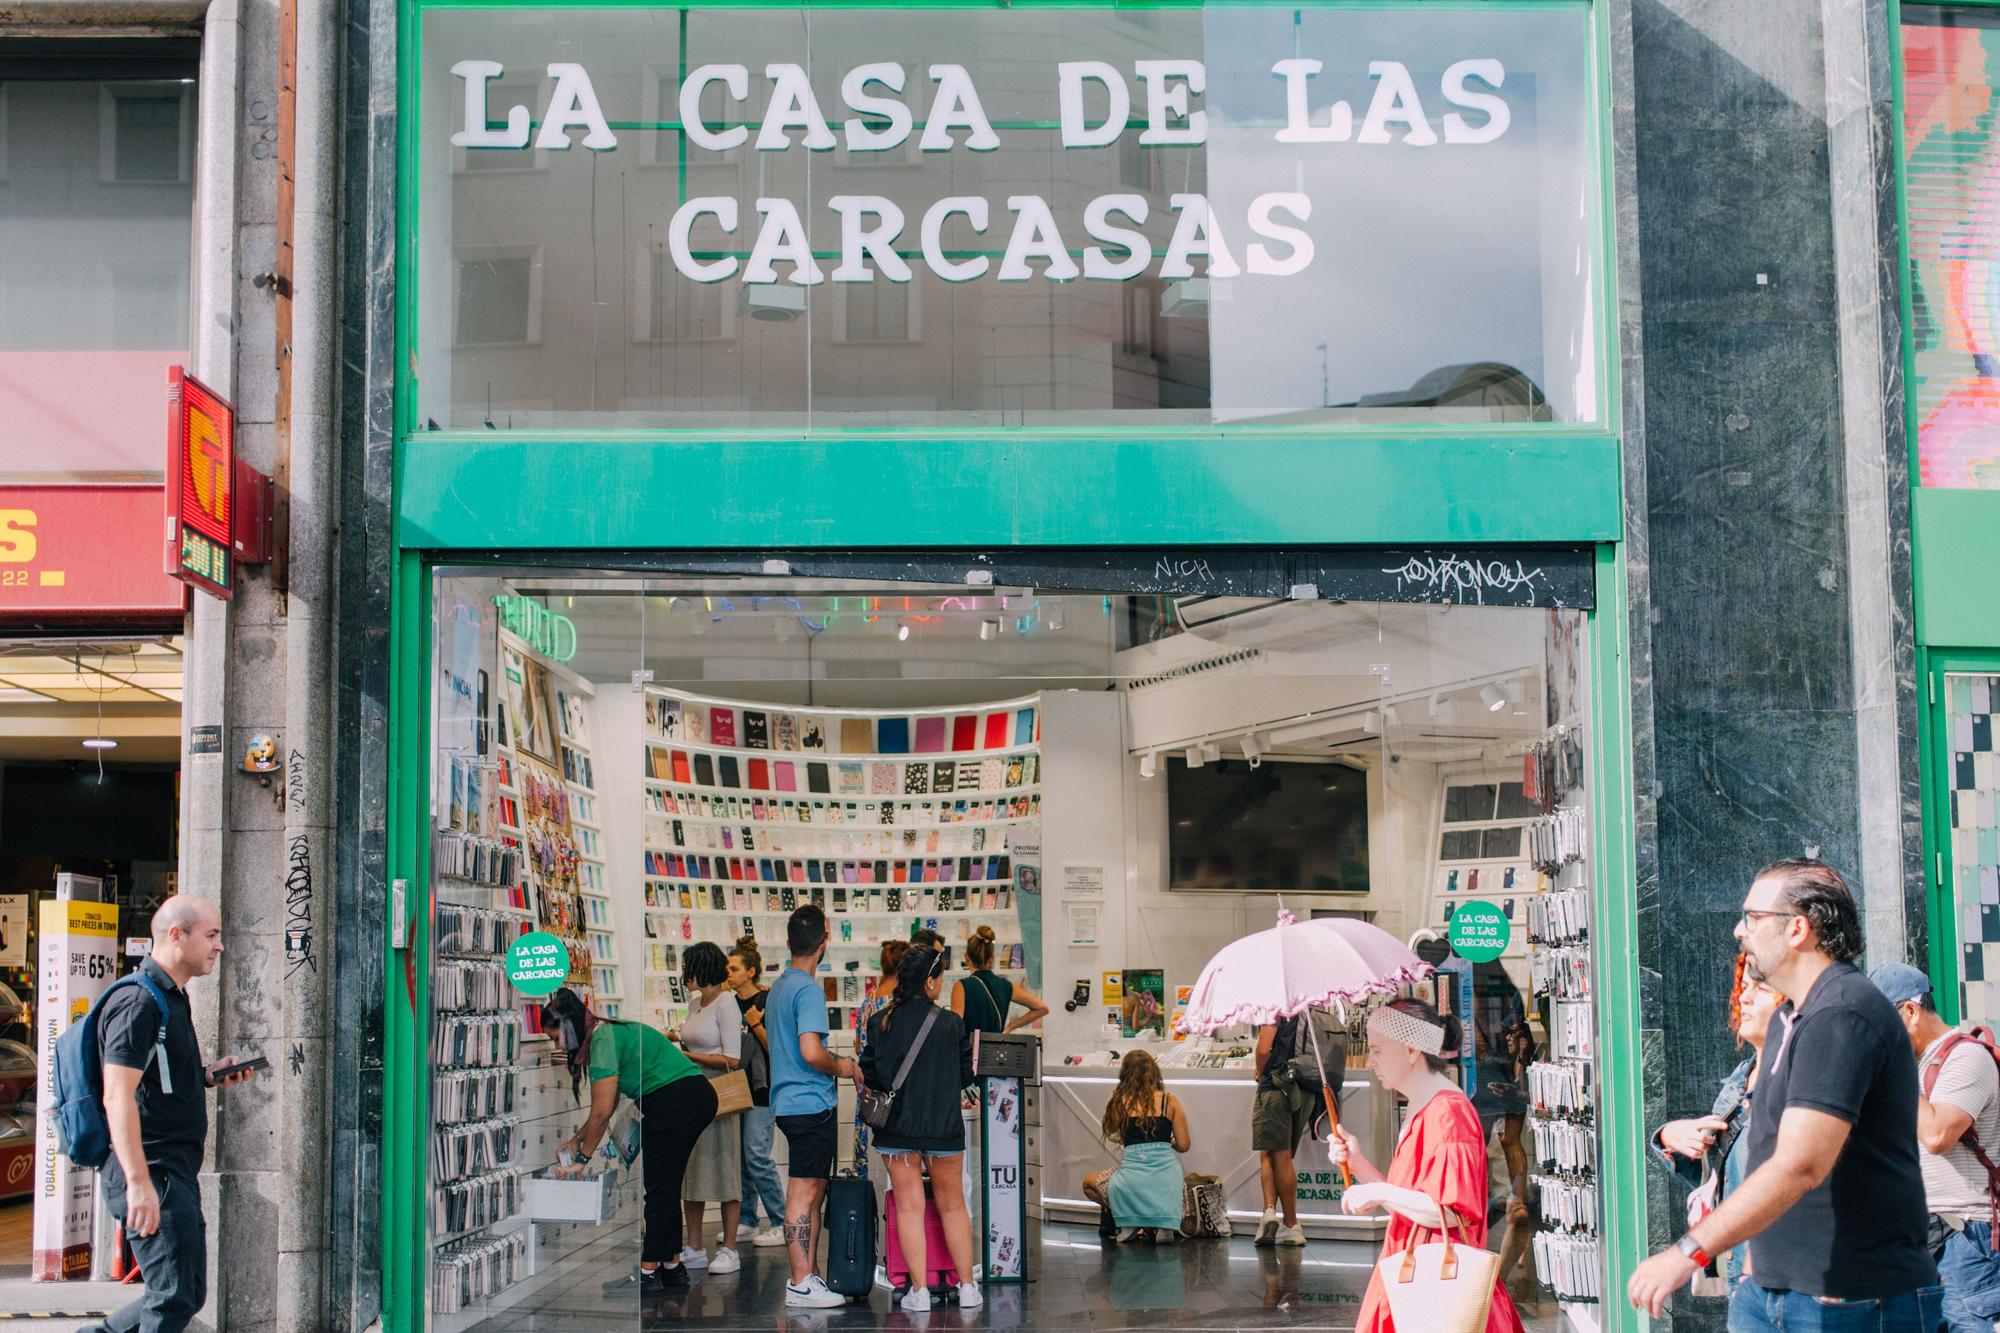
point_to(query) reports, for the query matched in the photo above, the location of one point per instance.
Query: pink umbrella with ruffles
(1298, 965)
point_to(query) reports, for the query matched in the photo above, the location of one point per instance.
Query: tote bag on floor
(1439, 1287)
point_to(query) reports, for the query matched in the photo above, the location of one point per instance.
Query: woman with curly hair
(1688, 1147)
(1143, 1195)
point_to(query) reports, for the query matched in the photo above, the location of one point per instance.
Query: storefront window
(97, 186)
(984, 219)
(1952, 151)
(643, 767)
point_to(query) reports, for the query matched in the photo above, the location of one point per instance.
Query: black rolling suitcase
(850, 1235)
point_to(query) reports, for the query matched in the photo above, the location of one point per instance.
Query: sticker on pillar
(261, 754)
(538, 963)
(1479, 931)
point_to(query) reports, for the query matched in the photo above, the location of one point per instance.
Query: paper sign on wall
(1083, 919)
(1082, 881)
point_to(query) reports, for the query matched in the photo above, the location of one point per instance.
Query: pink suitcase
(937, 1259)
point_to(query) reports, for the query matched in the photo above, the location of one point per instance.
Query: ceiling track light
(903, 631)
(1442, 709)
(1148, 764)
(989, 628)
(1252, 751)
(1490, 695)
(1211, 751)
(1195, 757)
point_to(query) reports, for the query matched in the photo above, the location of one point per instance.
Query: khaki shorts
(1278, 1121)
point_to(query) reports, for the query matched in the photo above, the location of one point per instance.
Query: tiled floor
(1080, 1283)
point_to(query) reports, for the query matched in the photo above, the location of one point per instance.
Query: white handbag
(1439, 1287)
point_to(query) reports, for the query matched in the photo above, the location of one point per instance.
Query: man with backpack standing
(1288, 1100)
(156, 1107)
(1958, 1128)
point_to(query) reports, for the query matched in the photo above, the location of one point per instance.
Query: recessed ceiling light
(99, 743)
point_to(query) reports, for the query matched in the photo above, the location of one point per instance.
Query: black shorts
(809, 1145)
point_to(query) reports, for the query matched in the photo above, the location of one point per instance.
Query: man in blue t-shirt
(803, 1074)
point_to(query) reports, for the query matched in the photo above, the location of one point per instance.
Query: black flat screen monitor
(1280, 827)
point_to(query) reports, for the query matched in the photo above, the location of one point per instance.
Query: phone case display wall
(1483, 855)
(889, 820)
(516, 848)
(1562, 1091)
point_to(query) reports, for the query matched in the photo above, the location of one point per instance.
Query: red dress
(1443, 1154)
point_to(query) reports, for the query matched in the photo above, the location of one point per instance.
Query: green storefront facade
(1944, 118)
(491, 471)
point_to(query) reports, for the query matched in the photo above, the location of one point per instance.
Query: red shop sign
(83, 554)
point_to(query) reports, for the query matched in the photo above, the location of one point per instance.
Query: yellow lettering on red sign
(208, 464)
(17, 543)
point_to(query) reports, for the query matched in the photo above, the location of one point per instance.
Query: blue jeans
(1753, 1309)
(1970, 1272)
(760, 1175)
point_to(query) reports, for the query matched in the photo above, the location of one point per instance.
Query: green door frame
(1933, 755)
(406, 1059)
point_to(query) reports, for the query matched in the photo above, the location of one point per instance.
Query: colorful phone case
(965, 733)
(722, 726)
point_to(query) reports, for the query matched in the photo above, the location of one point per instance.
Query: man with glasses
(1833, 1206)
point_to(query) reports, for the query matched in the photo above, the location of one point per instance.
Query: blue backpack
(82, 1132)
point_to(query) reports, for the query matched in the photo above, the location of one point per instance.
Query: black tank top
(1149, 1129)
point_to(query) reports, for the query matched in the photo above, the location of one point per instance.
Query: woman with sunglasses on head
(925, 1131)
(1685, 1145)
(1440, 1165)
(675, 1106)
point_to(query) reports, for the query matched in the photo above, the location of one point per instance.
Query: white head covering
(1406, 1028)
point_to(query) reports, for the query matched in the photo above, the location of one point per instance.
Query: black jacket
(925, 1118)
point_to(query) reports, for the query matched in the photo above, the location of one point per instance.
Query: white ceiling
(56, 693)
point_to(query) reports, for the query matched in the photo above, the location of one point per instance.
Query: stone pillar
(1767, 524)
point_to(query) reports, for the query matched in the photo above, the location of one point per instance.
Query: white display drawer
(592, 1199)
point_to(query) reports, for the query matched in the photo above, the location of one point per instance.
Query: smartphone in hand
(246, 1065)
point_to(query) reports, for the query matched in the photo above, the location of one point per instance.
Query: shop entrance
(1084, 794)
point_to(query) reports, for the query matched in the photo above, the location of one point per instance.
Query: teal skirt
(1145, 1190)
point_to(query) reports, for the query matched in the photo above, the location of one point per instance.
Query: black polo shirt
(1860, 1234)
(173, 1126)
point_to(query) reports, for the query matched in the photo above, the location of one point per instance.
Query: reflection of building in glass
(1501, 392)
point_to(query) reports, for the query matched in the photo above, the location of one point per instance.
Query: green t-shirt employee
(676, 1104)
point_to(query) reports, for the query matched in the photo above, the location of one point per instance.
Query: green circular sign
(538, 963)
(1479, 931)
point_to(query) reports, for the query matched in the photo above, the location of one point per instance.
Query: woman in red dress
(1440, 1159)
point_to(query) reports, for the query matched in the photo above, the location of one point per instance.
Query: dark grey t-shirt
(1860, 1234)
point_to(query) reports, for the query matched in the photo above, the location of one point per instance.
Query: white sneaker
(1291, 1236)
(1267, 1227)
(812, 1294)
(917, 1300)
(968, 1295)
(725, 1261)
(768, 1238)
(694, 1258)
(1128, 1235)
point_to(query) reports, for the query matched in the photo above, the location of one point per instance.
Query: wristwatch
(1691, 1248)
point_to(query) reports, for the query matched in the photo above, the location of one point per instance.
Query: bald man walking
(159, 1119)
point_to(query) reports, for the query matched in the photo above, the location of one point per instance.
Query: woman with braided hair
(1440, 1161)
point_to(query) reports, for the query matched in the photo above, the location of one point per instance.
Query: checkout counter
(1218, 1103)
